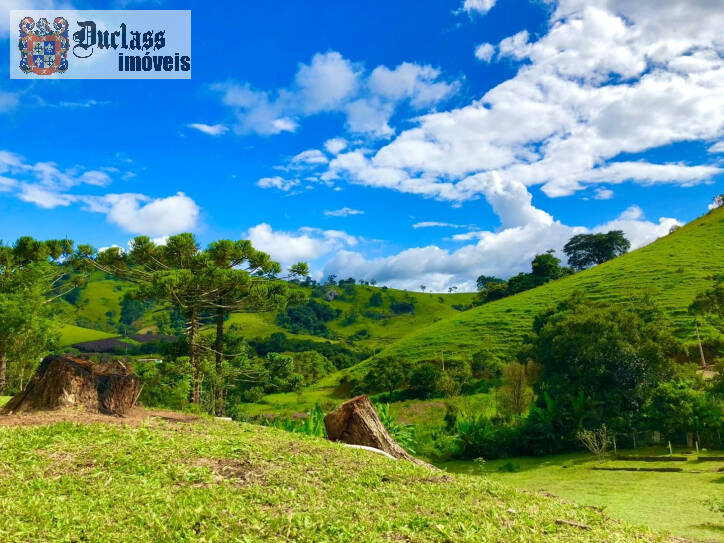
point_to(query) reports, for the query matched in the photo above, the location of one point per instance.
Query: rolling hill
(670, 271)
(97, 306)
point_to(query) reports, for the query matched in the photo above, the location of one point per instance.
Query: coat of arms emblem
(43, 50)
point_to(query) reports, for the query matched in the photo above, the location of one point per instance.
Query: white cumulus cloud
(306, 244)
(210, 129)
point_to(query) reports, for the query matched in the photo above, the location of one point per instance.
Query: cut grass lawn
(222, 481)
(671, 502)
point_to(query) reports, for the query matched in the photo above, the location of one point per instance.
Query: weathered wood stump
(356, 422)
(64, 381)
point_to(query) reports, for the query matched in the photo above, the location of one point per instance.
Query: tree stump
(64, 381)
(356, 422)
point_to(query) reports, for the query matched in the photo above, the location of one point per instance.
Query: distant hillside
(96, 311)
(672, 270)
(70, 334)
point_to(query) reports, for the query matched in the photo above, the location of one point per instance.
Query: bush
(253, 395)
(423, 381)
(485, 365)
(401, 308)
(310, 318)
(375, 300)
(481, 438)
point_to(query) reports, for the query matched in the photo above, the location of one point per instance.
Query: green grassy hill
(671, 270)
(70, 334)
(98, 306)
(221, 481)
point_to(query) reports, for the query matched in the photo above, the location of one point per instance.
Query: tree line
(227, 276)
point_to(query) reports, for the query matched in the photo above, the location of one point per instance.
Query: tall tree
(483, 281)
(246, 281)
(228, 276)
(32, 274)
(586, 250)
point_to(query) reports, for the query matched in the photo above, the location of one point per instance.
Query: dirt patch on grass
(238, 472)
(134, 417)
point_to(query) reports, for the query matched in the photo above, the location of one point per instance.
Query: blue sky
(421, 142)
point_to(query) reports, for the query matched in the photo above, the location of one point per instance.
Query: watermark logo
(130, 44)
(43, 51)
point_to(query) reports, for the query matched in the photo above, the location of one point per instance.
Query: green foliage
(544, 268)
(676, 407)
(401, 307)
(310, 318)
(31, 275)
(424, 380)
(607, 353)
(485, 364)
(340, 356)
(375, 300)
(402, 433)
(710, 304)
(483, 281)
(482, 438)
(166, 384)
(584, 250)
(387, 374)
(311, 425)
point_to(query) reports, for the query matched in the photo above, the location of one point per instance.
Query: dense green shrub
(308, 318)
(402, 307)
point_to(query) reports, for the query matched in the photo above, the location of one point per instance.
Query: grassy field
(100, 296)
(223, 481)
(4, 400)
(672, 270)
(667, 502)
(71, 334)
(429, 308)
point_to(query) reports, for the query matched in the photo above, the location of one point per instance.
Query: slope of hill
(672, 270)
(70, 334)
(211, 480)
(97, 305)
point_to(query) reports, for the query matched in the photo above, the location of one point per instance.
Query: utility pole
(701, 349)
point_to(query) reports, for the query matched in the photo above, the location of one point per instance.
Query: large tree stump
(64, 381)
(356, 422)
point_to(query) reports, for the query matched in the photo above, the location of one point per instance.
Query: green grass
(666, 502)
(4, 400)
(222, 481)
(429, 308)
(71, 334)
(100, 295)
(261, 325)
(672, 270)
(432, 412)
